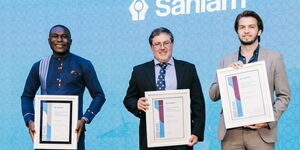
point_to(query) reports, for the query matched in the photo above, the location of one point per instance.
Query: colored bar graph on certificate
(46, 132)
(236, 104)
(160, 129)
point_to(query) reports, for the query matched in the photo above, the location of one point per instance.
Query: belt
(241, 128)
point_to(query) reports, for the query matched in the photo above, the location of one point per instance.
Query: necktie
(161, 83)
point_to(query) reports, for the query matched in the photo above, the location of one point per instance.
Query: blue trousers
(80, 144)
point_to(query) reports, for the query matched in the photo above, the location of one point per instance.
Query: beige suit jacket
(278, 83)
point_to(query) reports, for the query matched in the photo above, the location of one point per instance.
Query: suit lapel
(235, 57)
(149, 69)
(179, 73)
(261, 54)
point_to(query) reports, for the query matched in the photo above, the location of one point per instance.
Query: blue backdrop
(105, 33)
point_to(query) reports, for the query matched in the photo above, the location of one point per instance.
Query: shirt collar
(170, 62)
(62, 58)
(255, 53)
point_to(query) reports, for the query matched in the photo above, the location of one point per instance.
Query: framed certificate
(168, 118)
(55, 122)
(245, 95)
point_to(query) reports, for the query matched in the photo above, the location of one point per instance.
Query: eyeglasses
(164, 44)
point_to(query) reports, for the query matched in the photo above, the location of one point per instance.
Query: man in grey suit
(262, 136)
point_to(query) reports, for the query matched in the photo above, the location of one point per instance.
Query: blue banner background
(103, 32)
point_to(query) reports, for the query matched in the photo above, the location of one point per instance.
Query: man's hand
(142, 104)
(31, 129)
(236, 65)
(257, 126)
(80, 124)
(193, 140)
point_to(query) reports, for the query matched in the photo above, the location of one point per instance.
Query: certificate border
(38, 144)
(70, 122)
(231, 122)
(154, 95)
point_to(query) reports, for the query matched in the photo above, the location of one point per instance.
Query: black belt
(242, 128)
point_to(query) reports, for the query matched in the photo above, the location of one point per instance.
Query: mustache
(249, 42)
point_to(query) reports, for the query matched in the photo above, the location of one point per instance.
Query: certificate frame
(55, 121)
(245, 95)
(168, 119)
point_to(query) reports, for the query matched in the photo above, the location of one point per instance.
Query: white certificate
(245, 95)
(55, 122)
(168, 118)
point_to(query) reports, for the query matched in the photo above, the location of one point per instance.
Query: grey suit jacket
(278, 83)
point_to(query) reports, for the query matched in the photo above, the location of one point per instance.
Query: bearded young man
(262, 136)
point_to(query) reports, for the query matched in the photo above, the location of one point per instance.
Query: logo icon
(138, 9)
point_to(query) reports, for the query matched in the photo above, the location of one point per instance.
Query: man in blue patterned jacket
(66, 74)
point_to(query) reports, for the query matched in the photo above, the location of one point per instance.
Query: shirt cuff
(89, 115)
(28, 117)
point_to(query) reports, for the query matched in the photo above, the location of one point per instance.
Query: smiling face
(60, 40)
(162, 47)
(248, 30)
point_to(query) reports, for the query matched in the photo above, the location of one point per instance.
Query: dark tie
(161, 83)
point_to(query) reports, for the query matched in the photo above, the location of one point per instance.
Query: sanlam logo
(139, 8)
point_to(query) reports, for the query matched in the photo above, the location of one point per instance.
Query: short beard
(250, 42)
